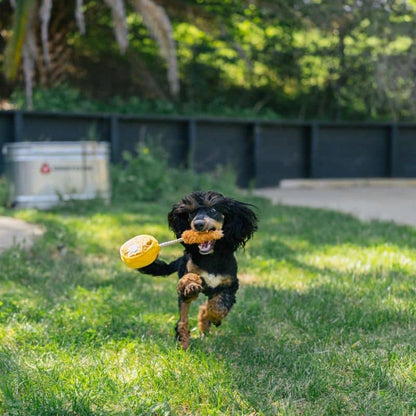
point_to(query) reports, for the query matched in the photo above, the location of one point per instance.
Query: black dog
(208, 268)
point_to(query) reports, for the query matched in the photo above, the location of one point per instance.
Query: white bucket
(42, 174)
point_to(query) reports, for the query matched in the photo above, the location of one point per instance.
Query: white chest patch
(213, 280)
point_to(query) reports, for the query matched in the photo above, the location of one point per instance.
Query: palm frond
(29, 57)
(158, 23)
(22, 20)
(120, 23)
(79, 16)
(45, 17)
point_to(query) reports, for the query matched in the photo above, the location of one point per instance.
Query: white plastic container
(42, 174)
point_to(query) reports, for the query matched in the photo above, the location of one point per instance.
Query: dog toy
(142, 250)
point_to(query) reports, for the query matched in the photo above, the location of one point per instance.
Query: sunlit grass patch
(349, 257)
(325, 320)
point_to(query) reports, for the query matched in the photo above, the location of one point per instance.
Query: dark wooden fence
(261, 152)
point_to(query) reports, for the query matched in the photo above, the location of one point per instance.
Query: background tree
(375, 59)
(22, 44)
(327, 59)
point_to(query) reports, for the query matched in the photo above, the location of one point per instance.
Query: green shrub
(69, 99)
(141, 177)
(223, 179)
(148, 177)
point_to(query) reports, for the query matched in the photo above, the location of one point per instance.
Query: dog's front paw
(192, 290)
(189, 286)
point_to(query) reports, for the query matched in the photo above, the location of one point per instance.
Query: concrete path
(17, 232)
(385, 200)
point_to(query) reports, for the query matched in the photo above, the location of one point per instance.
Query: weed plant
(146, 176)
(324, 322)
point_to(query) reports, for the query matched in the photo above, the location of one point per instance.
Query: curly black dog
(209, 268)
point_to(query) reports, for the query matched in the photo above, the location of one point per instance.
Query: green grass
(324, 323)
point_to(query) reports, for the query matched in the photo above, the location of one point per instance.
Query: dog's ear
(178, 219)
(240, 222)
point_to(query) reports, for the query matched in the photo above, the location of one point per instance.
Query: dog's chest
(211, 279)
(214, 280)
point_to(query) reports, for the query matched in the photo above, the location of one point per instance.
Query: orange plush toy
(142, 250)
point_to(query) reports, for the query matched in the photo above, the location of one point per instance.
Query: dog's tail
(161, 268)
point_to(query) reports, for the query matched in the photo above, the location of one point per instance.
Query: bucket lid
(53, 148)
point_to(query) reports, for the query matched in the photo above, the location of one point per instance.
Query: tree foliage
(23, 38)
(328, 59)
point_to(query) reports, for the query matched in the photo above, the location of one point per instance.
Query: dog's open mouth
(206, 248)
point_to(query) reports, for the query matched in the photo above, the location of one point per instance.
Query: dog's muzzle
(203, 223)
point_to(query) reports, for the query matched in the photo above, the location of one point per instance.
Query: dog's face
(206, 211)
(206, 219)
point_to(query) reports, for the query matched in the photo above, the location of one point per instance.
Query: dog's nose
(199, 225)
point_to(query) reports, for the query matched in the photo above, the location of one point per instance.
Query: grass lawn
(324, 322)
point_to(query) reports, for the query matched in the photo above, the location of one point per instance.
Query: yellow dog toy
(142, 250)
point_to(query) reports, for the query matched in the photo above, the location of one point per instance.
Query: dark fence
(261, 152)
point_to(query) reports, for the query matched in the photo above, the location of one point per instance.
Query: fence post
(18, 126)
(192, 138)
(313, 149)
(115, 139)
(392, 146)
(256, 148)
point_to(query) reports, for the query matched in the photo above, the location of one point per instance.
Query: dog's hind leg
(189, 287)
(214, 311)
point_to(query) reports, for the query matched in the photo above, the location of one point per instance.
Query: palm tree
(22, 44)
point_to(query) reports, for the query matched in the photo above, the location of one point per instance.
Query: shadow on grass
(337, 346)
(322, 351)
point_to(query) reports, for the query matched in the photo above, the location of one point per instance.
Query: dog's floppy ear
(178, 219)
(240, 222)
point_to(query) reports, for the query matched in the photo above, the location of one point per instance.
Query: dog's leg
(214, 311)
(189, 287)
(182, 327)
(203, 320)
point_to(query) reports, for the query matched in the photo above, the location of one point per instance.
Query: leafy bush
(223, 179)
(148, 177)
(142, 177)
(69, 99)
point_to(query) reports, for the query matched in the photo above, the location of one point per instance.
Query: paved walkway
(386, 200)
(17, 232)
